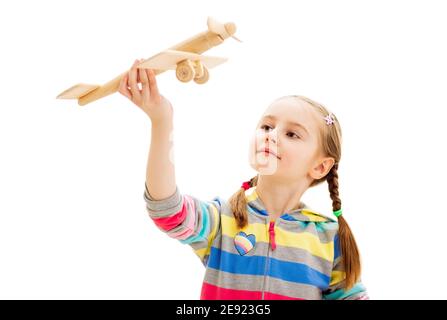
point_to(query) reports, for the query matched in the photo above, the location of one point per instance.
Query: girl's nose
(271, 136)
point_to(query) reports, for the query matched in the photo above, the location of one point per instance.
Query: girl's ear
(322, 168)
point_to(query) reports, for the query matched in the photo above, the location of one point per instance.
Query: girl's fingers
(123, 88)
(144, 83)
(139, 80)
(133, 81)
(143, 77)
(153, 83)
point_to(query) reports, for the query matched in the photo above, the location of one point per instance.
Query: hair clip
(329, 119)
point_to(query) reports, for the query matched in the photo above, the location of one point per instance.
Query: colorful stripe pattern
(296, 256)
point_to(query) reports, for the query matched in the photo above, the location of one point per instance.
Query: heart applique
(244, 243)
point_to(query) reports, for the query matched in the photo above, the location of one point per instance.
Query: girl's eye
(293, 134)
(265, 126)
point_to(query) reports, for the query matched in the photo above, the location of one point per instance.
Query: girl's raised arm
(160, 171)
(182, 217)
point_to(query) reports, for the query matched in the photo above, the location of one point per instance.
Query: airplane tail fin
(86, 93)
(77, 91)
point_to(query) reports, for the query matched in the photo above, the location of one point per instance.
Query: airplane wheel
(185, 71)
(204, 78)
(198, 69)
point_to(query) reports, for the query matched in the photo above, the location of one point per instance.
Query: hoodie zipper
(272, 245)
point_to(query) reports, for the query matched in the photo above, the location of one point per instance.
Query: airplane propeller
(224, 30)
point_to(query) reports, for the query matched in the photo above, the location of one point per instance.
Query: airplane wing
(168, 59)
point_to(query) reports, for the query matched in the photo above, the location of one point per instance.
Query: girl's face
(286, 143)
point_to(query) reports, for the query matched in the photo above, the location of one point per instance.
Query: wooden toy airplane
(184, 57)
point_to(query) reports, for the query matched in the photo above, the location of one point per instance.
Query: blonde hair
(330, 141)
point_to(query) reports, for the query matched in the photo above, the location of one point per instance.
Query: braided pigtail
(238, 204)
(348, 246)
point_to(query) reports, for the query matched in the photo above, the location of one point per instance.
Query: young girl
(263, 243)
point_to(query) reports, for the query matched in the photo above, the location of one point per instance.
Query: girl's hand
(148, 99)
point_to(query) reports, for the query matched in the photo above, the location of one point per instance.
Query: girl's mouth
(267, 152)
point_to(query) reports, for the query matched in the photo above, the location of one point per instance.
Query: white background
(73, 223)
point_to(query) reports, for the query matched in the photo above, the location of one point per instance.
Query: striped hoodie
(295, 257)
